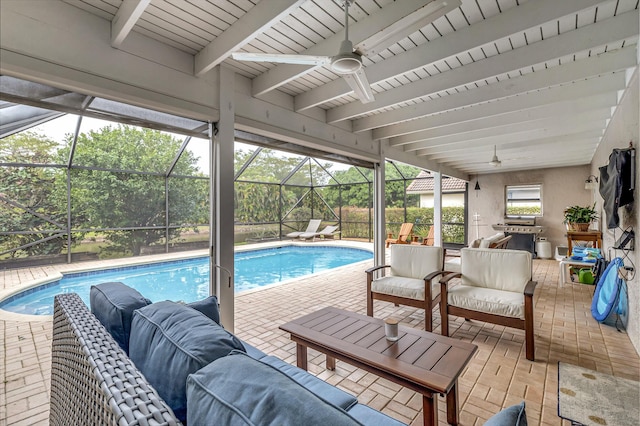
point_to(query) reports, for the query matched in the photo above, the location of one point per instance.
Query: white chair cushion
(498, 302)
(415, 261)
(409, 288)
(508, 270)
(452, 265)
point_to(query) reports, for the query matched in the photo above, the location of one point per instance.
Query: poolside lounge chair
(328, 232)
(313, 226)
(403, 235)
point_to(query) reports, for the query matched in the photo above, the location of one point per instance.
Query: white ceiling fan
(346, 63)
(494, 161)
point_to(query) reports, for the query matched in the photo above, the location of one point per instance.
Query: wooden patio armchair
(496, 287)
(403, 235)
(411, 280)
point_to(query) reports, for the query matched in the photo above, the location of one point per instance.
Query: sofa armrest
(90, 373)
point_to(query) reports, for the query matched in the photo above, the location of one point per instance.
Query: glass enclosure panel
(391, 171)
(357, 211)
(195, 159)
(188, 201)
(335, 170)
(257, 202)
(323, 210)
(117, 200)
(125, 148)
(268, 166)
(33, 207)
(366, 173)
(242, 155)
(188, 238)
(127, 243)
(37, 145)
(302, 176)
(148, 116)
(257, 233)
(319, 173)
(39, 92)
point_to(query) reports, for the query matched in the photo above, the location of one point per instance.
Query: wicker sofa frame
(93, 381)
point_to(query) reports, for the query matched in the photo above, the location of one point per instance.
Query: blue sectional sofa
(228, 382)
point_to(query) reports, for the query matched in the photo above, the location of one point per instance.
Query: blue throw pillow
(169, 341)
(208, 306)
(511, 416)
(239, 390)
(113, 304)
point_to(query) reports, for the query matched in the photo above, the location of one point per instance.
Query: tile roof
(423, 183)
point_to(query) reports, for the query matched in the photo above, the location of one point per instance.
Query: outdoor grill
(523, 230)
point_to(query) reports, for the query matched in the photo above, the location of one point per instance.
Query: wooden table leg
(301, 356)
(452, 405)
(430, 409)
(331, 363)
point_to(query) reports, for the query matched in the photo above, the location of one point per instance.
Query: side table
(566, 263)
(590, 236)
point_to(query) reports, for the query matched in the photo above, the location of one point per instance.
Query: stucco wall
(623, 129)
(561, 187)
(448, 200)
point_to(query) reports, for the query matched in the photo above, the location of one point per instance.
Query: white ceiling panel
(488, 73)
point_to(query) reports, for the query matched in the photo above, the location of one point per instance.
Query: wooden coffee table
(422, 361)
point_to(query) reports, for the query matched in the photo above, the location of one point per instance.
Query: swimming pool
(188, 279)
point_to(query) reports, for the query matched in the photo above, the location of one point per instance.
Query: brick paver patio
(498, 376)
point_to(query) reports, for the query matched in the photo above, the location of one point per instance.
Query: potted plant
(579, 218)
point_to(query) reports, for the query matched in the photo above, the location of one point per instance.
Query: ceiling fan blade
(360, 85)
(281, 58)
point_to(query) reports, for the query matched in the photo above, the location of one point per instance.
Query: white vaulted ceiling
(535, 79)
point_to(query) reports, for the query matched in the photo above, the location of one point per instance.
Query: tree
(354, 191)
(33, 197)
(133, 196)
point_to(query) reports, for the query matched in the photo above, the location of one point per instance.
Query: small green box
(585, 276)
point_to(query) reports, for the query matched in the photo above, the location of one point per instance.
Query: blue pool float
(607, 301)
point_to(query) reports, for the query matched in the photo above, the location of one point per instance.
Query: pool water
(188, 279)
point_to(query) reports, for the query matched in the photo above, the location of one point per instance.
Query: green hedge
(355, 222)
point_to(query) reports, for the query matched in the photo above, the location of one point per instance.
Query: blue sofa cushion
(511, 416)
(368, 416)
(240, 390)
(318, 387)
(113, 304)
(169, 341)
(208, 306)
